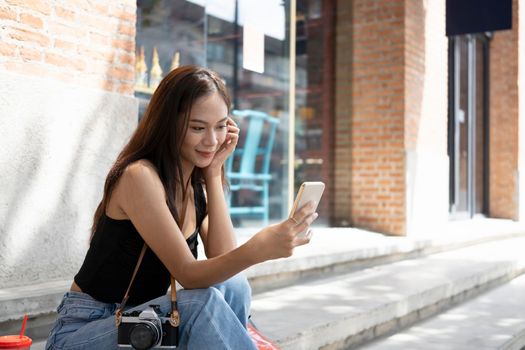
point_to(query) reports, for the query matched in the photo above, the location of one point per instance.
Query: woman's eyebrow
(205, 122)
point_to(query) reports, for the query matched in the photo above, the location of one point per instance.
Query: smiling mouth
(206, 154)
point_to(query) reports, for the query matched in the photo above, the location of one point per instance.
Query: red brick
(99, 39)
(128, 30)
(126, 89)
(36, 5)
(64, 45)
(99, 23)
(65, 13)
(504, 122)
(127, 59)
(33, 21)
(123, 14)
(28, 36)
(7, 13)
(126, 45)
(29, 54)
(97, 54)
(67, 30)
(101, 8)
(7, 50)
(64, 61)
(121, 73)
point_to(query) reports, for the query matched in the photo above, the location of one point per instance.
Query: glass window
(314, 95)
(247, 42)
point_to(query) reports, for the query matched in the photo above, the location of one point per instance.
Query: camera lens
(144, 336)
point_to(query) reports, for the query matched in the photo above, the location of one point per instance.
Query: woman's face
(207, 130)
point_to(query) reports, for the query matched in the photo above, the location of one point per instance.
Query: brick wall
(87, 43)
(370, 162)
(503, 201)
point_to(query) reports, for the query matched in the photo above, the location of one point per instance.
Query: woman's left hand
(227, 148)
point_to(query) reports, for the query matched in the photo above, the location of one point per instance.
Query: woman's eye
(221, 127)
(197, 128)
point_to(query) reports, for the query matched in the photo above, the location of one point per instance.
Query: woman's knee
(237, 286)
(199, 297)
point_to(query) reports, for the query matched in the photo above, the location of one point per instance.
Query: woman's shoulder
(141, 165)
(141, 173)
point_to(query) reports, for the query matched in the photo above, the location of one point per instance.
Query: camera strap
(120, 309)
(174, 316)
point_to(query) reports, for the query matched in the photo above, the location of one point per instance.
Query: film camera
(147, 329)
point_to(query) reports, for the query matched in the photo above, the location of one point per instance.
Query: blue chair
(248, 168)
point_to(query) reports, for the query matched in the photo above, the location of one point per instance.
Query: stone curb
(365, 323)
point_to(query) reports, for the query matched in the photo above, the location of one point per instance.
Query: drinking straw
(23, 326)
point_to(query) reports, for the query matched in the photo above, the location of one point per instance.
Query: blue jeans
(211, 318)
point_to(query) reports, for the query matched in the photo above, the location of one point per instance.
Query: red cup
(15, 342)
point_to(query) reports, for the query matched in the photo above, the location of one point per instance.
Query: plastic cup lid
(9, 341)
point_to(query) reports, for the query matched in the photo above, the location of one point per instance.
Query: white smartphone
(309, 191)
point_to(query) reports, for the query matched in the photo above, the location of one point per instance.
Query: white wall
(57, 142)
(427, 167)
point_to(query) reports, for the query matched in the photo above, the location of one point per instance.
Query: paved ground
(490, 321)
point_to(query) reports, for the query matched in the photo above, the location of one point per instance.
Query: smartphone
(309, 191)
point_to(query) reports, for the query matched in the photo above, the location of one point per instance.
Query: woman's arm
(142, 198)
(216, 230)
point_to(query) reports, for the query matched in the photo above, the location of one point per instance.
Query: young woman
(167, 187)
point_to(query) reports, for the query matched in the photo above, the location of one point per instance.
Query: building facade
(433, 120)
(408, 127)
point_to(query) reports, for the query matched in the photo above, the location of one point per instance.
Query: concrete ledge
(344, 311)
(494, 320)
(34, 300)
(333, 251)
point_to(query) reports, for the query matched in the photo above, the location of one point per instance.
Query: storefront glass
(314, 98)
(248, 43)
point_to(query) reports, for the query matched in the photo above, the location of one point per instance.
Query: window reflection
(314, 132)
(211, 33)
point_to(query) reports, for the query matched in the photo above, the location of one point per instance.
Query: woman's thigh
(208, 321)
(83, 323)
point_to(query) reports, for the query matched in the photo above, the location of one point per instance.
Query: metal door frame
(453, 127)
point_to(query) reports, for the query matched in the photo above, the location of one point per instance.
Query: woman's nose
(210, 138)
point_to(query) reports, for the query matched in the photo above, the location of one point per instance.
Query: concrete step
(336, 250)
(332, 251)
(494, 320)
(344, 311)
(38, 345)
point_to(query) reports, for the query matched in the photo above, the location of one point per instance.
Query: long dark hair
(160, 134)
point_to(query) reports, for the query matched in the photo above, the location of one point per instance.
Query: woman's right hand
(279, 240)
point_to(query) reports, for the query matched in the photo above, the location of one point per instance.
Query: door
(468, 125)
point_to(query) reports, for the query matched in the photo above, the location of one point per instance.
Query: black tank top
(113, 255)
